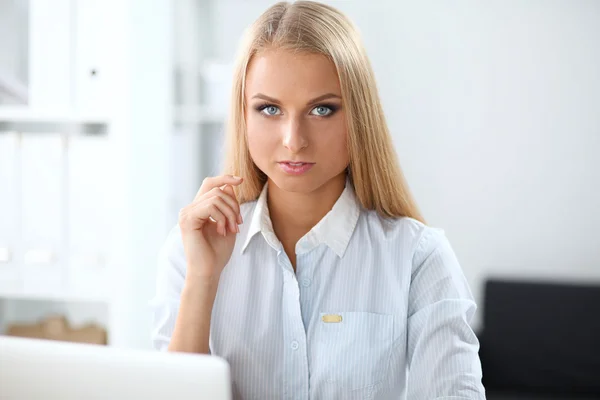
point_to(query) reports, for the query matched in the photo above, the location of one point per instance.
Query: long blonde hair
(312, 27)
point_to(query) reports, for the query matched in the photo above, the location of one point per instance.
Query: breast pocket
(354, 348)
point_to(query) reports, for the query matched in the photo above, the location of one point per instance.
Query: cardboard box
(58, 328)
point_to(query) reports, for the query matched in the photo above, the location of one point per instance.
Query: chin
(295, 184)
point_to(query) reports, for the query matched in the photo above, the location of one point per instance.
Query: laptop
(35, 369)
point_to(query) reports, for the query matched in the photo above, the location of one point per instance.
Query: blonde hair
(312, 27)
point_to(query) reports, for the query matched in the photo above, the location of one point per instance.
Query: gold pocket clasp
(331, 318)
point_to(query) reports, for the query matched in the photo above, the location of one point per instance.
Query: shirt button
(294, 345)
(305, 282)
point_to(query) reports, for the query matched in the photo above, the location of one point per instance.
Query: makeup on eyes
(333, 107)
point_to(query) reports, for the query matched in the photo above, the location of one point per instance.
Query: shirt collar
(261, 222)
(334, 230)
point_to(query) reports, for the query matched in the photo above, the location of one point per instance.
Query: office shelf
(52, 295)
(26, 114)
(104, 194)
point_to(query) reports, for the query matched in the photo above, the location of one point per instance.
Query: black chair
(540, 340)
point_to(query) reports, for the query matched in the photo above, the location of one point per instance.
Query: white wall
(495, 111)
(494, 108)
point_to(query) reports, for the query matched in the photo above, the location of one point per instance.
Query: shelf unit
(84, 79)
(85, 89)
(145, 160)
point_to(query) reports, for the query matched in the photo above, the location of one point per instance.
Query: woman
(308, 266)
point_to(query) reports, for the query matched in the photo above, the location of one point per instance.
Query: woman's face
(296, 124)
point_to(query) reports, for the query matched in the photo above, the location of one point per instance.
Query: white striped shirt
(377, 309)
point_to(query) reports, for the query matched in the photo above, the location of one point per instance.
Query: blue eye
(322, 111)
(269, 110)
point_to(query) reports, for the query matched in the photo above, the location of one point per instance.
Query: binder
(42, 169)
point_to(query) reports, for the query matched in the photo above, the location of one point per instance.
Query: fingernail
(239, 219)
(236, 177)
(238, 229)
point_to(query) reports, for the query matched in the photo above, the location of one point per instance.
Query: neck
(294, 214)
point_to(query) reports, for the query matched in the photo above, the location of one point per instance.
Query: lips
(295, 167)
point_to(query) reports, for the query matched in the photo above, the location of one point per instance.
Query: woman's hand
(209, 226)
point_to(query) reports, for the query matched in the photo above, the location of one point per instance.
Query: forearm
(192, 327)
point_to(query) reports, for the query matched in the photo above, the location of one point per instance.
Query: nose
(293, 137)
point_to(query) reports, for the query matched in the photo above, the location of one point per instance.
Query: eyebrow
(315, 100)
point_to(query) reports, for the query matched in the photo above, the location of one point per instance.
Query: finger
(217, 181)
(203, 213)
(217, 215)
(227, 195)
(226, 218)
(229, 200)
(229, 190)
(228, 211)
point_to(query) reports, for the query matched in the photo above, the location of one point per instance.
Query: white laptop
(41, 369)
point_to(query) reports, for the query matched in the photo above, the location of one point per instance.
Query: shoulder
(412, 236)
(429, 256)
